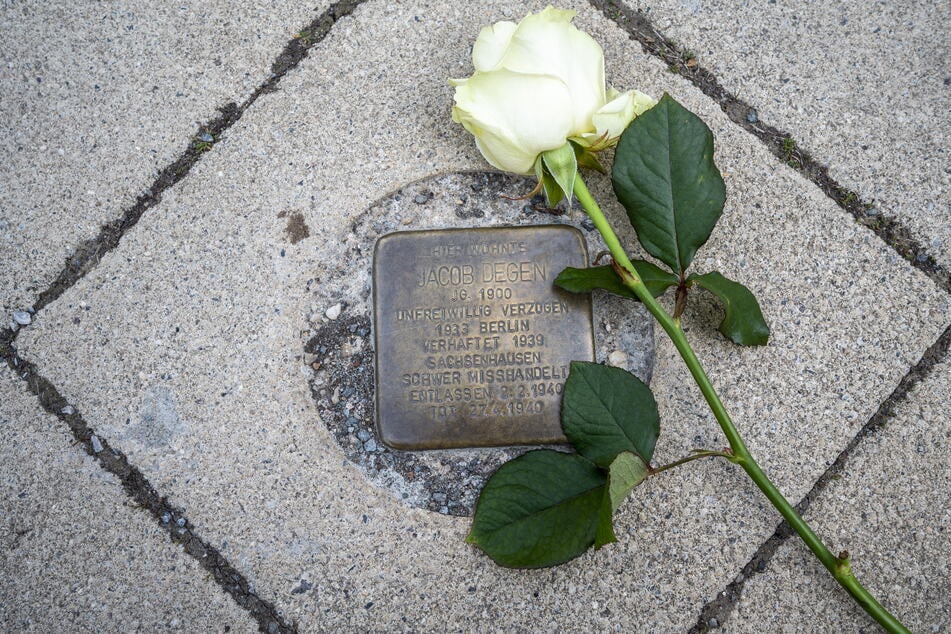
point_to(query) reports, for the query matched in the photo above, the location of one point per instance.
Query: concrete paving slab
(75, 555)
(862, 86)
(891, 509)
(98, 97)
(185, 348)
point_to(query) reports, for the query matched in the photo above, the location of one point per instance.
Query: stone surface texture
(891, 509)
(190, 338)
(75, 554)
(98, 97)
(863, 86)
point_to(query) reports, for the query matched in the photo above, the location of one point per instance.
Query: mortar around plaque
(340, 350)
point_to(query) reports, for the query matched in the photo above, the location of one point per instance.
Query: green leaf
(542, 509)
(606, 410)
(563, 167)
(665, 177)
(743, 323)
(604, 534)
(586, 280)
(626, 472)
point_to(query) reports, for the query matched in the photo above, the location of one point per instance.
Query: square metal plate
(473, 340)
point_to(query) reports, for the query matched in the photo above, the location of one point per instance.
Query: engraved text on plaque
(473, 340)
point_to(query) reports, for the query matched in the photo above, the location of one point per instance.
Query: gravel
(22, 317)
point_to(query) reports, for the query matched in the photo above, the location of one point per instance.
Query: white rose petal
(547, 43)
(491, 44)
(538, 84)
(514, 117)
(612, 118)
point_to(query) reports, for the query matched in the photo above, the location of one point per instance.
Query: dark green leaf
(542, 509)
(626, 472)
(586, 280)
(606, 410)
(743, 323)
(665, 177)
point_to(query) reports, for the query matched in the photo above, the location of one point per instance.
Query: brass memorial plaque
(473, 340)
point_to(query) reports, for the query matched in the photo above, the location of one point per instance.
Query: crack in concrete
(782, 144)
(716, 612)
(87, 256)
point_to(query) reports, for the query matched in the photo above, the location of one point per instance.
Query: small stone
(180, 522)
(166, 517)
(370, 445)
(205, 137)
(752, 116)
(364, 435)
(96, 443)
(618, 359)
(14, 326)
(713, 623)
(22, 317)
(68, 410)
(439, 497)
(303, 587)
(422, 199)
(872, 212)
(334, 311)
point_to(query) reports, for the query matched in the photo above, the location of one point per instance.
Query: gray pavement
(863, 86)
(184, 347)
(890, 508)
(98, 98)
(76, 555)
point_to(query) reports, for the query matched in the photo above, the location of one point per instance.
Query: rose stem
(839, 567)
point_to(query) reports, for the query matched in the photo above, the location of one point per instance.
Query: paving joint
(715, 613)
(87, 256)
(138, 487)
(782, 144)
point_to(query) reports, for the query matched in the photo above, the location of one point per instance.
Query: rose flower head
(538, 94)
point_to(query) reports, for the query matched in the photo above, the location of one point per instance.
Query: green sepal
(553, 193)
(656, 279)
(743, 321)
(626, 472)
(562, 165)
(587, 158)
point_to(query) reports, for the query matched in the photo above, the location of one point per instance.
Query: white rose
(538, 84)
